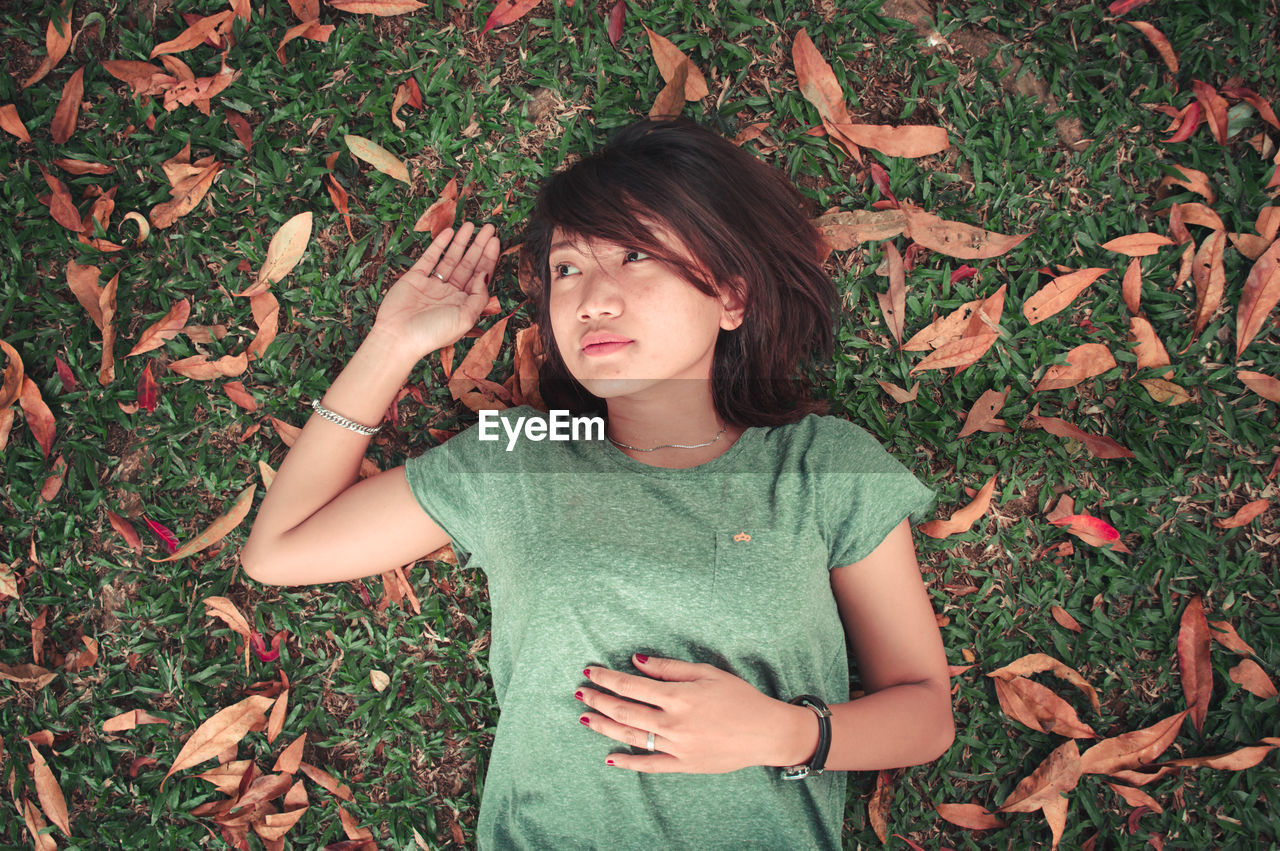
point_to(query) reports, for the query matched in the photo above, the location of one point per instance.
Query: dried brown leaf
(1058, 293)
(972, 816)
(670, 59)
(1250, 677)
(63, 126)
(1059, 773)
(1260, 295)
(377, 156)
(222, 730)
(956, 239)
(817, 81)
(1084, 361)
(1135, 749)
(1193, 661)
(52, 801)
(962, 520)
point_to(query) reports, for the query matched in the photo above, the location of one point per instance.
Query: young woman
(670, 604)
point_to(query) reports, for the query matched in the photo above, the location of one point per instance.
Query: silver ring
(649, 744)
(441, 277)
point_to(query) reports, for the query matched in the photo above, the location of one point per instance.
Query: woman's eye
(562, 270)
(637, 255)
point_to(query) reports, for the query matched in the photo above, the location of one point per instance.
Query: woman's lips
(598, 349)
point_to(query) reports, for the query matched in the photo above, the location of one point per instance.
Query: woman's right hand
(441, 296)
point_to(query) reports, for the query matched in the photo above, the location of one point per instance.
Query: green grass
(413, 754)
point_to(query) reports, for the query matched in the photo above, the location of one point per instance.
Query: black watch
(819, 761)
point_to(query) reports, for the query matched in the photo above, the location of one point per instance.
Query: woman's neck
(676, 429)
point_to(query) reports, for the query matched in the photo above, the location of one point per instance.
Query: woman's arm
(316, 523)
(905, 717)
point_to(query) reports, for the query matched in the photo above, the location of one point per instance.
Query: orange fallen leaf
(39, 418)
(1193, 661)
(1147, 348)
(1245, 515)
(899, 394)
(670, 59)
(27, 675)
(507, 12)
(1064, 619)
(1038, 708)
(283, 253)
(1059, 773)
(221, 731)
(956, 239)
(1058, 293)
(1260, 295)
(1193, 179)
(1138, 244)
(338, 194)
(1195, 213)
(960, 353)
(185, 199)
(291, 756)
(107, 310)
(63, 125)
(910, 140)
(1225, 634)
(12, 124)
(327, 781)
(313, 30)
(441, 213)
(52, 801)
(477, 364)
(527, 361)
(1250, 677)
(1136, 797)
(670, 101)
(14, 372)
(1035, 663)
(1215, 109)
(229, 613)
(126, 530)
(1160, 43)
(377, 156)
(893, 304)
(130, 719)
(1084, 361)
(218, 529)
(61, 206)
(878, 806)
(57, 41)
(1237, 760)
(972, 816)
(962, 520)
(1209, 278)
(1099, 446)
(1165, 392)
(817, 81)
(35, 824)
(844, 230)
(165, 328)
(193, 35)
(200, 368)
(1089, 529)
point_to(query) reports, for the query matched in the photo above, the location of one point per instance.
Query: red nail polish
(585, 721)
(608, 762)
(486, 277)
(641, 658)
(578, 695)
(586, 672)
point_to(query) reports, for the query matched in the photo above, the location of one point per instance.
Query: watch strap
(818, 764)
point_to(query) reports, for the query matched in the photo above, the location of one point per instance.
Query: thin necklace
(670, 445)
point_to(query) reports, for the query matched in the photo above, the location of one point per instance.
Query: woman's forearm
(325, 459)
(902, 725)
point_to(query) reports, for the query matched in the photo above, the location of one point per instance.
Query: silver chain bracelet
(343, 421)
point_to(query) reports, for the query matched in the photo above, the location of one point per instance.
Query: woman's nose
(600, 295)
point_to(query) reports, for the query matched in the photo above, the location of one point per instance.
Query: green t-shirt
(592, 556)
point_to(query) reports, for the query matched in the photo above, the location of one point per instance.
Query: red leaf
(39, 417)
(507, 12)
(260, 648)
(166, 537)
(64, 373)
(964, 273)
(1190, 121)
(1120, 7)
(617, 15)
(147, 390)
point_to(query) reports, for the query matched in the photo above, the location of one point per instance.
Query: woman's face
(624, 321)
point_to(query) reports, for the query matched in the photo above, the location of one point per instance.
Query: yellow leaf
(377, 156)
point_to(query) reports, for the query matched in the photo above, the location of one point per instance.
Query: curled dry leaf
(972, 816)
(144, 227)
(200, 368)
(899, 394)
(1192, 179)
(379, 680)
(290, 757)
(878, 807)
(1038, 708)
(195, 34)
(57, 40)
(218, 529)
(266, 315)
(1058, 293)
(1147, 348)
(315, 31)
(441, 213)
(221, 731)
(185, 198)
(477, 364)
(1084, 361)
(377, 156)
(671, 100)
(1209, 278)
(1193, 661)
(893, 304)
(1215, 109)
(1250, 677)
(670, 59)
(229, 613)
(962, 520)
(14, 372)
(956, 239)
(1162, 46)
(1035, 663)
(1225, 634)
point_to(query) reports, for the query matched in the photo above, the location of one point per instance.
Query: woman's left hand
(705, 720)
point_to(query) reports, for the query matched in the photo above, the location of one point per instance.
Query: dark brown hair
(738, 218)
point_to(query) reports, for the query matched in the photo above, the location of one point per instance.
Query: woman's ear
(732, 309)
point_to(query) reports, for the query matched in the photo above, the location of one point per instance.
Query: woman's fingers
(453, 256)
(462, 272)
(431, 256)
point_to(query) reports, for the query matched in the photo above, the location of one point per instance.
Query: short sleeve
(865, 493)
(449, 482)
